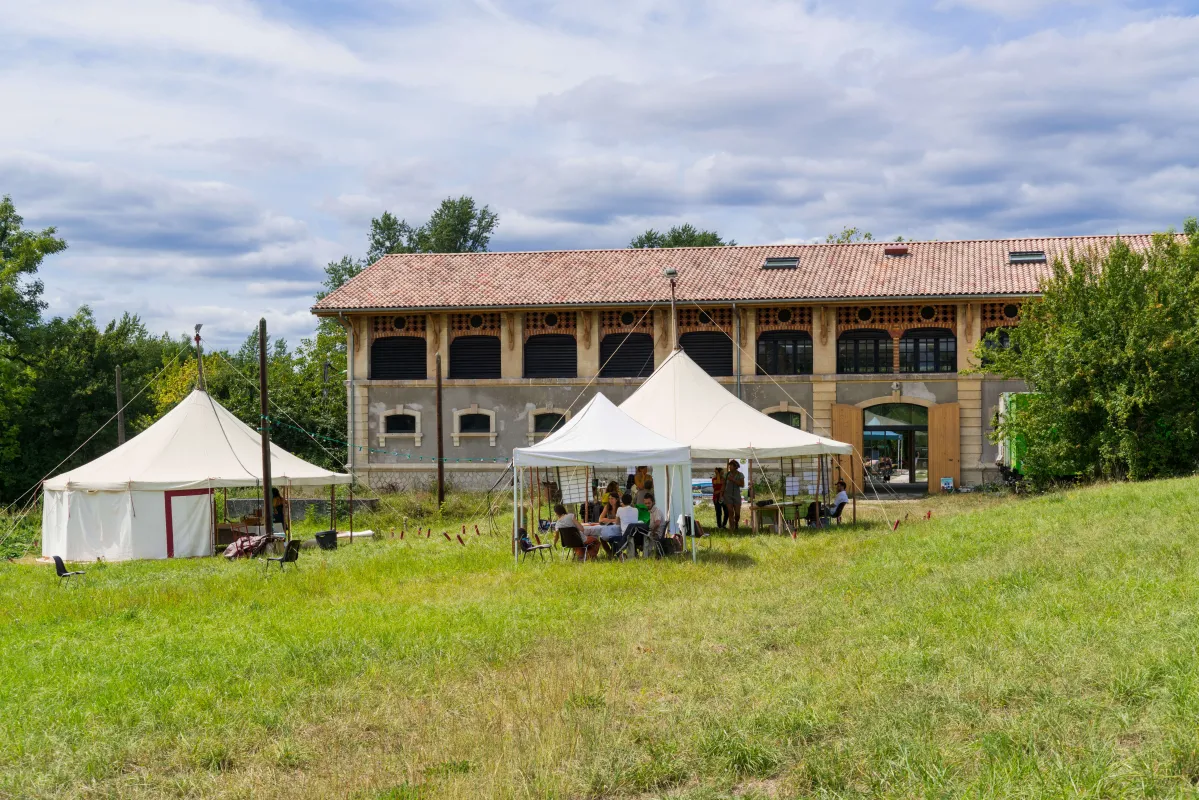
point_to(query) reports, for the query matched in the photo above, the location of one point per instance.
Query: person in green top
(734, 482)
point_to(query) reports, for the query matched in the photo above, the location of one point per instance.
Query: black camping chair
(571, 537)
(526, 547)
(700, 533)
(291, 555)
(63, 572)
(835, 516)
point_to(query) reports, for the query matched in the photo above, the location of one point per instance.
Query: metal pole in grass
(440, 442)
(268, 512)
(120, 411)
(515, 515)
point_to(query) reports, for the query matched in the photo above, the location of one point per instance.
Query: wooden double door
(944, 445)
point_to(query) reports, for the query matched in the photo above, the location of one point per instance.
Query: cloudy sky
(205, 159)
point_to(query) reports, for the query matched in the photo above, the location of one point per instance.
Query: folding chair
(631, 533)
(571, 537)
(827, 520)
(525, 546)
(63, 572)
(291, 555)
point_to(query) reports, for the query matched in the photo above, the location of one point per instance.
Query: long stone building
(871, 343)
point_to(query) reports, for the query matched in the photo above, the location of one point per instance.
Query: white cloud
(207, 159)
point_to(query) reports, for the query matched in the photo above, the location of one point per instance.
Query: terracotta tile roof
(593, 277)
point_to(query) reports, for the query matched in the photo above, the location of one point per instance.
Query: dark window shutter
(400, 423)
(475, 357)
(712, 350)
(474, 423)
(548, 422)
(398, 358)
(627, 355)
(551, 355)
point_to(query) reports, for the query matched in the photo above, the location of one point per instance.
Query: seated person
(841, 498)
(612, 533)
(657, 521)
(629, 517)
(567, 520)
(827, 511)
(612, 492)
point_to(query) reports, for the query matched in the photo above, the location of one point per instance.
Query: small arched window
(785, 353)
(398, 358)
(928, 350)
(399, 423)
(864, 352)
(476, 357)
(712, 350)
(474, 422)
(627, 355)
(792, 418)
(551, 355)
(547, 422)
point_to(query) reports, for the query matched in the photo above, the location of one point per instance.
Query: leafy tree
(850, 235)
(389, 235)
(68, 392)
(1111, 352)
(685, 235)
(457, 226)
(21, 253)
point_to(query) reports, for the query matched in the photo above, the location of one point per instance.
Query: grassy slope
(1036, 647)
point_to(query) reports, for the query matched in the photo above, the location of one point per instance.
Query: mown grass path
(1036, 647)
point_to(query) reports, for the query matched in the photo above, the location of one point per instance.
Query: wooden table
(769, 515)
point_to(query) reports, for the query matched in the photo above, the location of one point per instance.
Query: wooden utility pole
(268, 512)
(200, 361)
(120, 411)
(440, 441)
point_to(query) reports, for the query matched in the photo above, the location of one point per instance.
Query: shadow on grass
(727, 558)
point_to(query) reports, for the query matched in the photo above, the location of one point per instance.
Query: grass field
(1021, 647)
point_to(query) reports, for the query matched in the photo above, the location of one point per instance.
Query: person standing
(722, 516)
(734, 482)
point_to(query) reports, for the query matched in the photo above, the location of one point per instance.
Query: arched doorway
(895, 446)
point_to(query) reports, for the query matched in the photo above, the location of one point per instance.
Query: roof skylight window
(791, 262)
(1026, 257)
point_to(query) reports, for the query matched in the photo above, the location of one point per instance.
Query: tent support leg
(515, 515)
(351, 485)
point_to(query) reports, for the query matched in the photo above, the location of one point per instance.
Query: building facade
(870, 343)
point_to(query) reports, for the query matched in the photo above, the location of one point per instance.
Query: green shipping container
(1012, 448)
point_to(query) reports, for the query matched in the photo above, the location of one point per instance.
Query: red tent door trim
(170, 522)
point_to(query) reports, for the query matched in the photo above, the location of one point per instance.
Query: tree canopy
(685, 235)
(1111, 354)
(458, 225)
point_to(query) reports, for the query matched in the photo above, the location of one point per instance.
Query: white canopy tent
(601, 435)
(682, 401)
(152, 496)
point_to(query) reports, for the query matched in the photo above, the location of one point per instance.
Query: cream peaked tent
(682, 402)
(151, 497)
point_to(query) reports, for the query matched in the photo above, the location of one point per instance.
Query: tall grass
(1021, 648)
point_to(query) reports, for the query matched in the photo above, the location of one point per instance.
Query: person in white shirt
(627, 513)
(841, 498)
